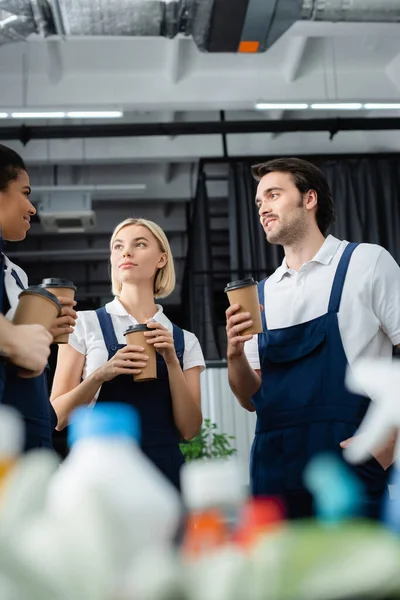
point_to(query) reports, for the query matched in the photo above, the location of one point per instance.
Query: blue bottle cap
(337, 491)
(104, 420)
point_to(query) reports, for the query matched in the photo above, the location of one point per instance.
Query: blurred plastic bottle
(141, 508)
(258, 517)
(338, 493)
(391, 503)
(11, 440)
(213, 493)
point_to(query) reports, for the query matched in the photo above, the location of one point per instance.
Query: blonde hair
(164, 281)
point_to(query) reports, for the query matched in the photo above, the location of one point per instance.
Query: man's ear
(311, 199)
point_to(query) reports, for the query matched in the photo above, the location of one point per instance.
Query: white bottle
(141, 508)
(214, 484)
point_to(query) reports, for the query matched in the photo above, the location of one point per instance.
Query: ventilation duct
(215, 25)
(122, 17)
(66, 212)
(20, 18)
(384, 11)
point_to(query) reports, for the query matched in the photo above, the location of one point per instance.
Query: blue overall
(303, 407)
(159, 435)
(31, 397)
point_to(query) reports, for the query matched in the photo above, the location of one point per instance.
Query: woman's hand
(162, 340)
(129, 360)
(66, 321)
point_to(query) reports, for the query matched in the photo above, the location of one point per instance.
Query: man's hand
(236, 323)
(384, 455)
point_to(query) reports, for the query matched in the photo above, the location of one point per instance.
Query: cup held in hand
(135, 336)
(244, 292)
(59, 287)
(37, 306)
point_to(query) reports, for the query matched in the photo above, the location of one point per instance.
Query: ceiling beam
(202, 128)
(173, 61)
(294, 56)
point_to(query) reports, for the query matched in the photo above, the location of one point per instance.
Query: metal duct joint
(20, 18)
(384, 11)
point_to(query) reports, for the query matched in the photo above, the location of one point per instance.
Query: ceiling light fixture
(382, 106)
(337, 106)
(95, 114)
(38, 115)
(281, 106)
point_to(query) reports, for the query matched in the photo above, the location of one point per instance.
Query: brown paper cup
(135, 336)
(60, 287)
(36, 307)
(244, 292)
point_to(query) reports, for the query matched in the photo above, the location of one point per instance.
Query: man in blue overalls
(328, 304)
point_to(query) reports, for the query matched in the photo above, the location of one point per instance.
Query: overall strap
(340, 276)
(261, 287)
(179, 342)
(17, 279)
(107, 329)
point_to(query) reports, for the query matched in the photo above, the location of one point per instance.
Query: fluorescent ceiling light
(95, 114)
(281, 106)
(3, 115)
(337, 106)
(383, 106)
(38, 115)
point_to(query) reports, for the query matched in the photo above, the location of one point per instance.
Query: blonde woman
(96, 365)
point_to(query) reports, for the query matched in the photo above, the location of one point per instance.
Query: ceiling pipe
(333, 125)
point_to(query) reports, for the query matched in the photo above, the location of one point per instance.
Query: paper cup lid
(138, 327)
(55, 282)
(240, 283)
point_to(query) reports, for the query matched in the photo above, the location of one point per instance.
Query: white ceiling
(156, 79)
(161, 80)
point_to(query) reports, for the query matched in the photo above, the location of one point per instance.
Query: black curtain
(366, 193)
(198, 279)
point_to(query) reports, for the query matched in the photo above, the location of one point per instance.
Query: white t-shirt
(13, 290)
(369, 314)
(88, 338)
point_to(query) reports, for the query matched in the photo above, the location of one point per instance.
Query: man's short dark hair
(10, 165)
(306, 176)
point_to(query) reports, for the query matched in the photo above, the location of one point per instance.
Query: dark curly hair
(306, 176)
(10, 165)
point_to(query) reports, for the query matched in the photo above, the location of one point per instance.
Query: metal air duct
(215, 25)
(154, 18)
(20, 18)
(384, 11)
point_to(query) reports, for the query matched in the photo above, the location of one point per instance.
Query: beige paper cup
(36, 306)
(244, 292)
(60, 287)
(135, 336)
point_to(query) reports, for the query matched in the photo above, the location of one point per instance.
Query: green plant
(208, 444)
